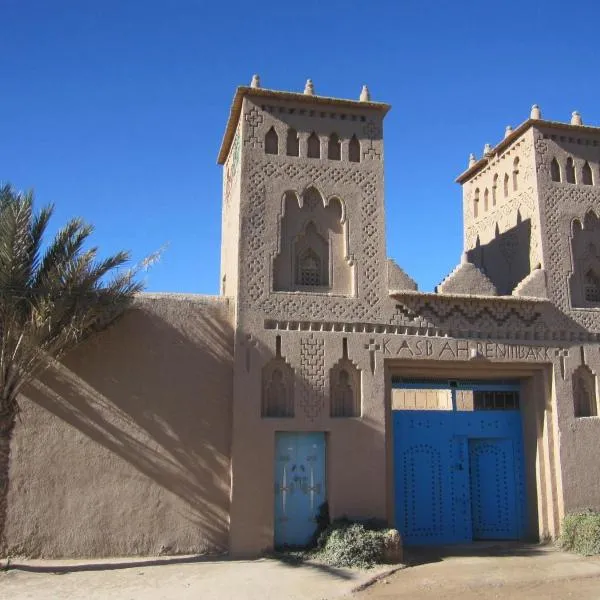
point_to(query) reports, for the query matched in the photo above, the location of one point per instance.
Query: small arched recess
(585, 403)
(345, 387)
(277, 386)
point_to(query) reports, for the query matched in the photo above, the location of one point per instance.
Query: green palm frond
(50, 299)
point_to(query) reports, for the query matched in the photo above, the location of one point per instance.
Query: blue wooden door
(493, 490)
(459, 475)
(299, 485)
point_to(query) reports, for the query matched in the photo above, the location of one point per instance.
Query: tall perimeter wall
(125, 449)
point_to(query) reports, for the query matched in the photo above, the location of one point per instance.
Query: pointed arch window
(506, 180)
(584, 392)
(313, 149)
(354, 149)
(555, 170)
(485, 200)
(345, 387)
(570, 170)
(271, 142)
(516, 174)
(334, 147)
(277, 386)
(476, 203)
(586, 174)
(292, 143)
(494, 189)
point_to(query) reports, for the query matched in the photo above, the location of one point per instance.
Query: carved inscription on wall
(464, 349)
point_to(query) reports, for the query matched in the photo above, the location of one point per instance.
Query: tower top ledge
(511, 136)
(257, 92)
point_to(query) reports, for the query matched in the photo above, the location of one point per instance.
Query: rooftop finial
(487, 150)
(576, 118)
(365, 95)
(472, 159)
(255, 81)
(507, 131)
(536, 113)
(309, 88)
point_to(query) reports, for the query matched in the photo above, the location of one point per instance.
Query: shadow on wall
(505, 259)
(154, 394)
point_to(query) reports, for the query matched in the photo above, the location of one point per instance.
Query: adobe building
(321, 374)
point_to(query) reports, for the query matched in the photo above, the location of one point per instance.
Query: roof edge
(242, 91)
(517, 132)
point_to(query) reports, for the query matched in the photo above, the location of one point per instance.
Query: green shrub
(581, 533)
(349, 544)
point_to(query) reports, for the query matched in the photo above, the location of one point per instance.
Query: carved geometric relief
(565, 284)
(312, 370)
(585, 255)
(584, 392)
(260, 245)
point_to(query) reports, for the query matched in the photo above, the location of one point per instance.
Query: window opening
(271, 142)
(354, 149)
(293, 143)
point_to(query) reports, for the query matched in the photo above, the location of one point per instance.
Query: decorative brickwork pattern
(232, 167)
(254, 119)
(312, 370)
(373, 132)
(561, 204)
(260, 242)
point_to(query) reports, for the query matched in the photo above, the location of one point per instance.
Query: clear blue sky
(114, 109)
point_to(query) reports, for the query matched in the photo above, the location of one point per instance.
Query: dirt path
(530, 572)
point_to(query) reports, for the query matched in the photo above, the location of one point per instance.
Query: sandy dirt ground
(178, 579)
(483, 571)
(520, 573)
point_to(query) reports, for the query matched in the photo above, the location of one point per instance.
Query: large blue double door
(459, 475)
(299, 485)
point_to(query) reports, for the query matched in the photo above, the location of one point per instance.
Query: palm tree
(51, 298)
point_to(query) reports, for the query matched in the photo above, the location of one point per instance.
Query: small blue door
(299, 485)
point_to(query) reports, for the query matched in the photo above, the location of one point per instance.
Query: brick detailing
(561, 203)
(259, 242)
(254, 120)
(312, 371)
(373, 132)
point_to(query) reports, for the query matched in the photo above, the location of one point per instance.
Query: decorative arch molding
(585, 402)
(584, 281)
(312, 247)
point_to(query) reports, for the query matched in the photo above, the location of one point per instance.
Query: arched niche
(585, 256)
(555, 170)
(345, 387)
(277, 387)
(585, 403)
(313, 245)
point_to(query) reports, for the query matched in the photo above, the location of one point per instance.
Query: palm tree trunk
(7, 424)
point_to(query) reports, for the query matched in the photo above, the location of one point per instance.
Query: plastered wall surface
(159, 434)
(124, 449)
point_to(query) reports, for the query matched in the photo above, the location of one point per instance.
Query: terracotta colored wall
(125, 450)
